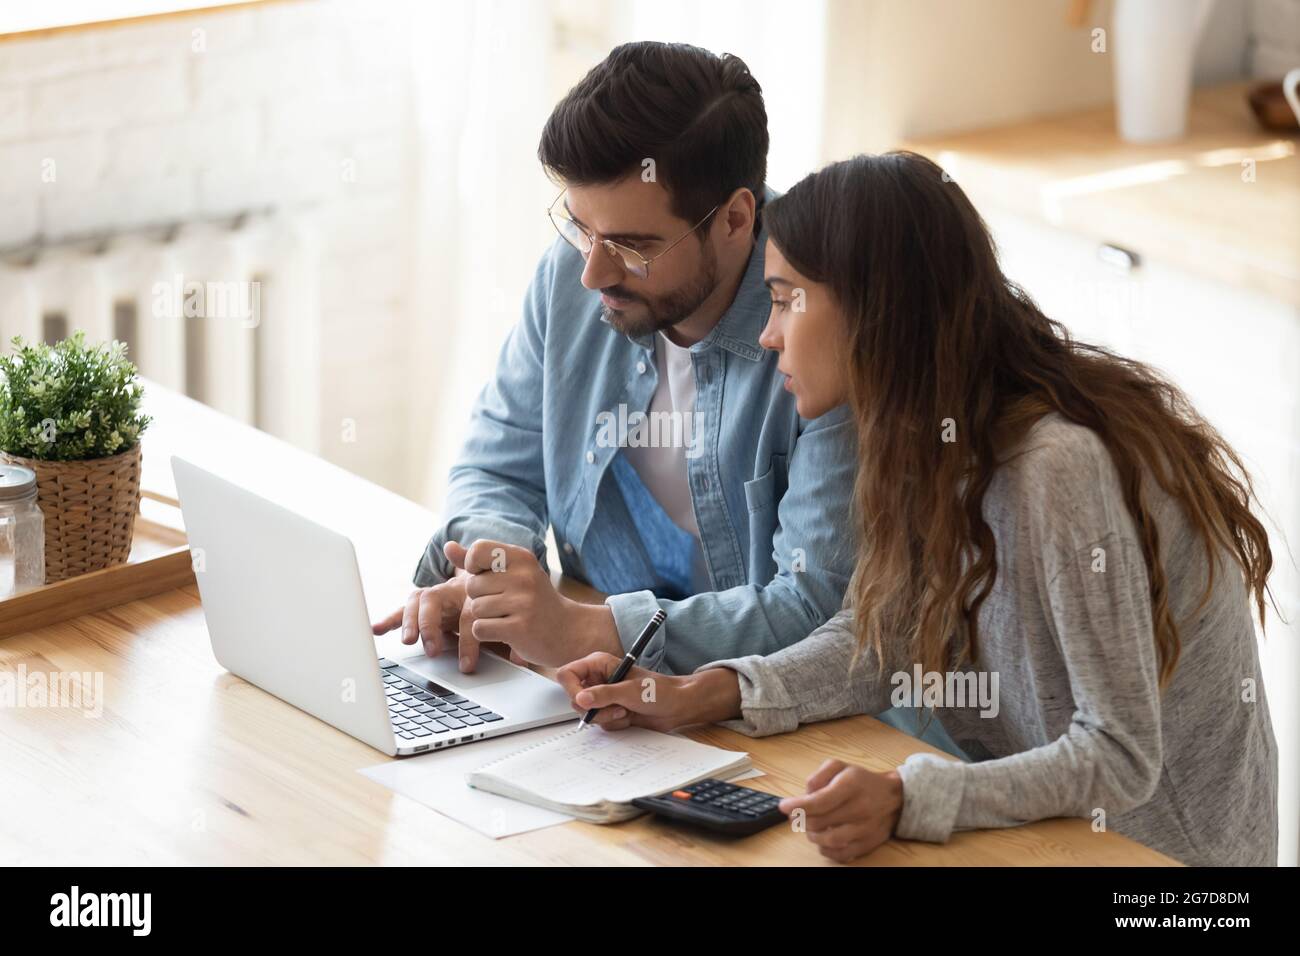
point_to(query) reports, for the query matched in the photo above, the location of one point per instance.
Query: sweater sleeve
(1109, 757)
(815, 679)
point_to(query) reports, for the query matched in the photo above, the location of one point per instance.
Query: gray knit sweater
(1080, 728)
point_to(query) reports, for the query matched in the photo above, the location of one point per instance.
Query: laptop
(285, 611)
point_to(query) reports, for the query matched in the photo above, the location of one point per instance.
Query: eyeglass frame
(616, 249)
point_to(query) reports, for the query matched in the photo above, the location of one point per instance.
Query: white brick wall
(301, 106)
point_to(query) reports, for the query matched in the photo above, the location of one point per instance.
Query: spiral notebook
(595, 774)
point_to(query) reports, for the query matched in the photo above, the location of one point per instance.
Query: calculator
(718, 806)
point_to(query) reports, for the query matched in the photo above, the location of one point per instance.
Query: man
(633, 410)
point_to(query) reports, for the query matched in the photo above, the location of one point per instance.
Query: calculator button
(682, 794)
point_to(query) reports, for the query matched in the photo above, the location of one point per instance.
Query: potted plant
(71, 413)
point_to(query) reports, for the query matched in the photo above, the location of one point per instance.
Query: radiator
(225, 314)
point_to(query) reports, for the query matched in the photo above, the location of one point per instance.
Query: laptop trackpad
(445, 669)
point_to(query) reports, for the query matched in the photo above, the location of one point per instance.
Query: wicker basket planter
(89, 507)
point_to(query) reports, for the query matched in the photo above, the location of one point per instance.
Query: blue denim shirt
(771, 491)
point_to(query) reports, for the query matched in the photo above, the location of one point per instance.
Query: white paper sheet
(604, 771)
(437, 780)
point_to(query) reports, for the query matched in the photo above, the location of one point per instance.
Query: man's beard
(665, 311)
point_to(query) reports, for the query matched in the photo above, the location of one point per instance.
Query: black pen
(629, 659)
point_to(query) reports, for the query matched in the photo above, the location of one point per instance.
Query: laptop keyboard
(422, 709)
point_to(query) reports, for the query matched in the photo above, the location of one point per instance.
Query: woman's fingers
(857, 807)
(847, 842)
(825, 774)
(625, 704)
(595, 668)
(626, 694)
(839, 837)
(819, 803)
(613, 718)
(570, 682)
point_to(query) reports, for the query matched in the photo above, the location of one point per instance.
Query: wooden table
(191, 765)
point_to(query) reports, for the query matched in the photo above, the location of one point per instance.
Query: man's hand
(509, 598)
(432, 615)
(849, 811)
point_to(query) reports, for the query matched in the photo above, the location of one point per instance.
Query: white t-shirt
(663, 469)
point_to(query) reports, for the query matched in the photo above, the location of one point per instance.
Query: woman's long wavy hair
(938, 339)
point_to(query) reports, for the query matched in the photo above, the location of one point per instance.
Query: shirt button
(591, 457)
(640, 367)
(568, 547)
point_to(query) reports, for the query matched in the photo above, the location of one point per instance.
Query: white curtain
(481, 81)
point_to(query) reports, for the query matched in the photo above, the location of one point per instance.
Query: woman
(1035, 516)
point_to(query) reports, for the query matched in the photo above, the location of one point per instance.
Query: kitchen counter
(1189, 203)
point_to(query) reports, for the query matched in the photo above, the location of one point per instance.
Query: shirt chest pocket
(765, 492)
(762, 497)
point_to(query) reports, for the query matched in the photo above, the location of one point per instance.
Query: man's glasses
(631, 260)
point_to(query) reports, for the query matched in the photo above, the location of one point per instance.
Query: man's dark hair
(698, 115)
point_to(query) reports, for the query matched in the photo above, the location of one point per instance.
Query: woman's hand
(647, 699)
(848, 811)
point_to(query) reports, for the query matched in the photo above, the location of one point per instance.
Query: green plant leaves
(69, 401)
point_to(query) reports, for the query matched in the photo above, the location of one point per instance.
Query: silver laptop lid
(284, 604)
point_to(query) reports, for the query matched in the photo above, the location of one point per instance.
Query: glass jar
(22, 532)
